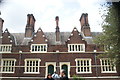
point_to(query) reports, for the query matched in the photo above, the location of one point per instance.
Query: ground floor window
(50, 68)
(32, 65)
(8, 65)
(107, 65)
(83, 65)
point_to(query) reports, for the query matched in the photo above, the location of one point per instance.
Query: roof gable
(7, 38)
(75, 37)
(39, 38)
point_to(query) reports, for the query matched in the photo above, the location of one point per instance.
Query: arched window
(65, 67)
(50, 69)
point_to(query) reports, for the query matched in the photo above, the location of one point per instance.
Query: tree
(110, 37)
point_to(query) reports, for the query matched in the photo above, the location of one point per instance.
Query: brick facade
(52, 48)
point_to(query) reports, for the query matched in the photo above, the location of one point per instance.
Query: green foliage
(75, 77)
(111, 34)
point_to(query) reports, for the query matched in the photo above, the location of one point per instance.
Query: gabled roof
(7, 38)
(75, 37)
(39, 37)
(21, 40)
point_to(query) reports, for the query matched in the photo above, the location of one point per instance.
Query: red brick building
(32, 55)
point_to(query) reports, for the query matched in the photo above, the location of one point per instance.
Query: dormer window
(5, 48)
(35, 48)
(76, 47)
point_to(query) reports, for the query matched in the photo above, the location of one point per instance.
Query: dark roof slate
(21, 40)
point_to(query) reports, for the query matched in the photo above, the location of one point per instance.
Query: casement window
(8, 65)
(5, 48)
(107, 66)
(76, 47)
(83, 65)
(32, 65)
(38, 48)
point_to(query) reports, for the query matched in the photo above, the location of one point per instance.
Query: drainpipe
(20, 56)
(95, 57)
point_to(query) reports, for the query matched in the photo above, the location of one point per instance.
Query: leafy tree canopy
(110, 37)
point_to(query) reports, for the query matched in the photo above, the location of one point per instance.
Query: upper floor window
(107, 66)
(83, 65)
(5, 48)
(8, 65)
(76, 47)
(39, 48)
(32, 65)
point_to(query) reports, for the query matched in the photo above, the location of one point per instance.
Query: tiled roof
(21, 40)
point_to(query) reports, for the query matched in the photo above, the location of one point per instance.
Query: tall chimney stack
(85, 25)
(57, 29)
(29, 30)
(1, 25)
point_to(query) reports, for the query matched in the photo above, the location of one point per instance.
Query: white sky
(14, 13)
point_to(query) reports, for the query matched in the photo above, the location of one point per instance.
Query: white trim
(7, 72)
(31, 72)
(78, 49)
(100, 77)
(109, 77)
(98, 52)
(31, 59)
(47, 64)
(65, 63)
(38, 48)
(90, 66)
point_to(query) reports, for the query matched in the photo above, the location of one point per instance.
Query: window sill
(31, 72)
(76, 51)
(39, 52)
(83, 72)
(7, 72)
(109, 72)
(5, 52)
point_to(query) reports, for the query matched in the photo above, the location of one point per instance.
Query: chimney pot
(57, 18)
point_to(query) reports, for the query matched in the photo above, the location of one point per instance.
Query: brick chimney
(85, 25)
(57, 29)
(1, 24)
(29, 30)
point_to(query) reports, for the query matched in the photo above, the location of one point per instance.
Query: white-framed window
(5, 48)
(38, 48)
(8, 65)
(83, 65)
(107, 66)
(32, 66)
(76, 47)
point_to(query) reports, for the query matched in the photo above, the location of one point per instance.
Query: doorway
(65, 66)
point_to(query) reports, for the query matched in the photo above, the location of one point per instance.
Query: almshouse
(33, 54)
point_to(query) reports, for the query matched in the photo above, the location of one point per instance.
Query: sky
(14, 13)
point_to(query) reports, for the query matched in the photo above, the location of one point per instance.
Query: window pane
(107, 65)
(32, 66)
(8, 65)
(39, 48)
(44, 47)
(83, 65)
(76, 47)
